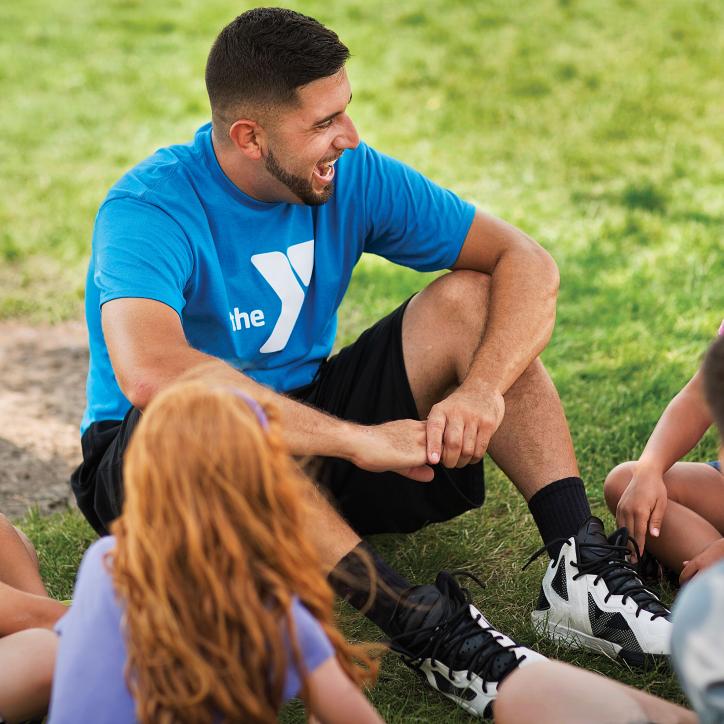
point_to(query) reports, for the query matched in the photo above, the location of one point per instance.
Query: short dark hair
(265, 54)
(714, 382)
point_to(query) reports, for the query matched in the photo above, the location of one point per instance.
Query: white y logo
(278, 270)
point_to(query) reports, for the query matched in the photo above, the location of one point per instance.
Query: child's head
(714, 388)
(209, 553)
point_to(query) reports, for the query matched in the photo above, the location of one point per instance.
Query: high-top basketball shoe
(592, 597)
(453, 646)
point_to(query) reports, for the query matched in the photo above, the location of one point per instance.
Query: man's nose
(348, 138)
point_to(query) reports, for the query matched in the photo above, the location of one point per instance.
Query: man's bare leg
(441, 330)
(327, 529)
(532, 445)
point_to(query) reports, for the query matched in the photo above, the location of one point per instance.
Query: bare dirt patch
(42, 395)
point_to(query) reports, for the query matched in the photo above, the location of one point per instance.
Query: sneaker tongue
(422, 606)
(450, 588)
(592, 533)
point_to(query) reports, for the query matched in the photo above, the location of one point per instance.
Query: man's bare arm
(520, 320)
(523, 296)
(148, 351)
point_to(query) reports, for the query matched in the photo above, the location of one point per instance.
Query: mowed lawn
(596, 127)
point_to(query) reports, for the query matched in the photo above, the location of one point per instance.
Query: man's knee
(616, 482)
(462, 295)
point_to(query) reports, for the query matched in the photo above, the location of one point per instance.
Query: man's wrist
(342, 440)
(481, 387)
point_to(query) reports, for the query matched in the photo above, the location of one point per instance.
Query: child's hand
(711, 554)
(642, 506)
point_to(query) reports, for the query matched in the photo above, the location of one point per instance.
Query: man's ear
(247, 137)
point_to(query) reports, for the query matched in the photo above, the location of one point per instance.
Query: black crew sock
(559, 510)
(352, 579)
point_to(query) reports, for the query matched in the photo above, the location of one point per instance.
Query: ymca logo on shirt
(289, 276)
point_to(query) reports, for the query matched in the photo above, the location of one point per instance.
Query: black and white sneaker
(591, 597)
(452, 645)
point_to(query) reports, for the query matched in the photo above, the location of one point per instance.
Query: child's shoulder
(97, 551)
(310, 634)
(94, 568)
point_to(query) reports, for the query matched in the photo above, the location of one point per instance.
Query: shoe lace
(620, 575)
(444, 641)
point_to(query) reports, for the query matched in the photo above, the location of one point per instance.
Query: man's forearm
(520, 321)
(398, 445)
(307, 431)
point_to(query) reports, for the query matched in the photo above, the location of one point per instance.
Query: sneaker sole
(561, 633)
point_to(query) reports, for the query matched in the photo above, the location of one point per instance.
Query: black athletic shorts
(365, 382)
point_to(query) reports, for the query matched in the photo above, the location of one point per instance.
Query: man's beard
(299, 186)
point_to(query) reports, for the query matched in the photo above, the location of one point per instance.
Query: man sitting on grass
(237, 248)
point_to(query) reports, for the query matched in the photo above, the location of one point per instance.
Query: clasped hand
(459, 427)
(457, 432)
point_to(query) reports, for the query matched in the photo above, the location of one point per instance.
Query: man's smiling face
(304, 142)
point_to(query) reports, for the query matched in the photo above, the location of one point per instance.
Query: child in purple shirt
(207, 604)
(92, 654)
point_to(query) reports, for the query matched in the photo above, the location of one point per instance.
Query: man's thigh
(442, 330)
(367, 383)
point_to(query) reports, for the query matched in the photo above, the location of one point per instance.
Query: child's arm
(334, 699)
(681, 426)
(20, 610)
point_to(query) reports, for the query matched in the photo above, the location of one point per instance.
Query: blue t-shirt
(89, 682)
(256, 284)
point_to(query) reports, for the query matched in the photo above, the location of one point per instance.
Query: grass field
(595, 126)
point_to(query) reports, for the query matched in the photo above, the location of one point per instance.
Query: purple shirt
(89, 683)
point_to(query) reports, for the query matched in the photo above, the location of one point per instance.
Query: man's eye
(325, 124)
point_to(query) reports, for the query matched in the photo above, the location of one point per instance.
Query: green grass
(594, 126)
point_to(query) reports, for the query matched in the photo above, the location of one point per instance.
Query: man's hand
(398, 446)
(713, 553)
(459, 427)
(642, 506)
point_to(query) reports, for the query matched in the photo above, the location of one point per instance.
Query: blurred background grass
(596, 126)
